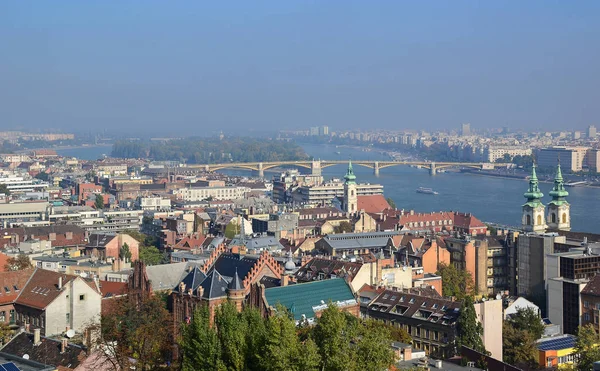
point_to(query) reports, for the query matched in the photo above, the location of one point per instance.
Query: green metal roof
(533, 194)
(300, 298)
(350, 177)
(558, 192)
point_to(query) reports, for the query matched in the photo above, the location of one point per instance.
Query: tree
(42, 176)
(200, 345)
(457, 283)
(231, 330)
(391, 202)
(283, 350)
(18, 263)
(468, 329)
(587, 347)
(373, 350)
(232, 230)
(332, 335)
(343, 227)
(137, 327)
(255, 338)
(99, 203)
(124, 253)
(518, 346)
(150, 255)
(4, 190)
(528, 319)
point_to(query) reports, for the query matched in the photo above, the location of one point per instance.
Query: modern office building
(570, 158)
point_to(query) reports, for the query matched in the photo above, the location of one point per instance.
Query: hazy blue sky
(197, 66)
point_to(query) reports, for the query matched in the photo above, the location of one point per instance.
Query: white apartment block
(216, 193)
(493, 153)
(153, 203)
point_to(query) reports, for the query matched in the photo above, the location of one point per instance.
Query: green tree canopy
(457, 283)
(343, 227)
(528, 319)
(391, 202)
(125, 253)
(587, 347)
(468, 329)
(247, 341)
(518, 346)
(150, 255)
(4, 189)
(99, 203)
(232, 230)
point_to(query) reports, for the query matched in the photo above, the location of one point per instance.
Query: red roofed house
(373, 203)
(11, 284)
(55, 302)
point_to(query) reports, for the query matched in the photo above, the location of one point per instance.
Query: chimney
(36, 337)
(285, 279)
(63, 345)
(60, 283)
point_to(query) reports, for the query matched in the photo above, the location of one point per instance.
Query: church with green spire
(559, 210)
(534, 219)
(350, 205)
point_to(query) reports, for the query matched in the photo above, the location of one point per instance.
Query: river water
(490, 199)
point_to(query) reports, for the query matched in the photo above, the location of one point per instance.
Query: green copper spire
(533, 194)
(558, 192)
(350, 177)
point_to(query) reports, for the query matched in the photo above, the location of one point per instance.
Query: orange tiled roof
(372, 203)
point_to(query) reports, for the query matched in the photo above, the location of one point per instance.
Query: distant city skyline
(196, 68)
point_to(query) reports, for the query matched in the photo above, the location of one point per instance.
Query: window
(597, 306)
(12, 316)
(3, 316)
(586, 317)
(68, 317)
(81, 297)
(586, 304)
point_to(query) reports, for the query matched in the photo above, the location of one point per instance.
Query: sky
(195, 67)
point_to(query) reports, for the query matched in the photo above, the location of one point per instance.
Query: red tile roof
(372, 203)
(112, 289)
(464, 220)
(42, 288)
(188, 243)
(11, 279)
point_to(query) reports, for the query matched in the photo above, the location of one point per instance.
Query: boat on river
(427, 191)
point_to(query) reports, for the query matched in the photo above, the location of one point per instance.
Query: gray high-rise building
(591, 131)
(465, 129)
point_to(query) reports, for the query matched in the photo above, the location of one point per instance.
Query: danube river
(491, 199)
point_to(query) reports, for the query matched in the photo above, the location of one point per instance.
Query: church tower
(559, 216)
(350, 196)
(533, 210)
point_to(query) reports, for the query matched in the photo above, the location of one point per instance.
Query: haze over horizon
(190, 67)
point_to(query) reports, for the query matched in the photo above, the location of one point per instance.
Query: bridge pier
(261, 172)
(376, 168)
(432, 168)
(316, 167)
(206, 168)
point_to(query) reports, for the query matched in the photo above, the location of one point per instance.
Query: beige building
(489, 314)
(494, 153)
(216, 193)
(571, 158)
(55, 302)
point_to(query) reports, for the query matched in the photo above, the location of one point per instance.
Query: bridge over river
(317, 165)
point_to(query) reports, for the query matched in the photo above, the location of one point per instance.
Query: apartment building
(571, 158)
